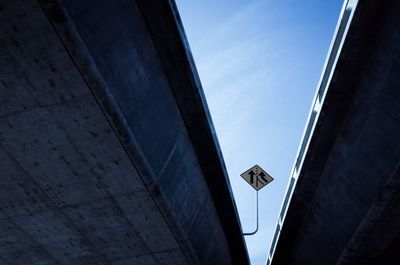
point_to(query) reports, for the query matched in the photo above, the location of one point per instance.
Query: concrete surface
(345, 202)
(107, 151)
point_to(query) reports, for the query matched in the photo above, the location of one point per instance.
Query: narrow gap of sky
(259, 63)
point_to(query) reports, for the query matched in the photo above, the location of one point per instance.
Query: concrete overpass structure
(343, 199)
(107, 150)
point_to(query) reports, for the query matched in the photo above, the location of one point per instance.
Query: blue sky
(259, 63)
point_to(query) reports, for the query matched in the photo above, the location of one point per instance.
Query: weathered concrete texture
(99, 164)
(345, 207)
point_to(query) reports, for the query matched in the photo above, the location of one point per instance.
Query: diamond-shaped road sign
(257, 177)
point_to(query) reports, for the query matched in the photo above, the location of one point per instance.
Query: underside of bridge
(345, 187)
(107, 151)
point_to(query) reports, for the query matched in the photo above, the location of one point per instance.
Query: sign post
(258, 179)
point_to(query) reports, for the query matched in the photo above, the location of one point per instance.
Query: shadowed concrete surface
(343, 201)
(107, 151)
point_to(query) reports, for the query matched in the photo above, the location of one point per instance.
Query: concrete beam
(345, 194)
(108, 140)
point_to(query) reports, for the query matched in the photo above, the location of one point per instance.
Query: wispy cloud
(256, 66)
(236, 66)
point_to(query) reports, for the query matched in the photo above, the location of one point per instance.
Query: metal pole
(255, 231)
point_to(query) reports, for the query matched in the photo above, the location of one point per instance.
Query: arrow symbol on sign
(262, 176)
(251, 173)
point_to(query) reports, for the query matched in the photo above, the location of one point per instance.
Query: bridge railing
(335, 48)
